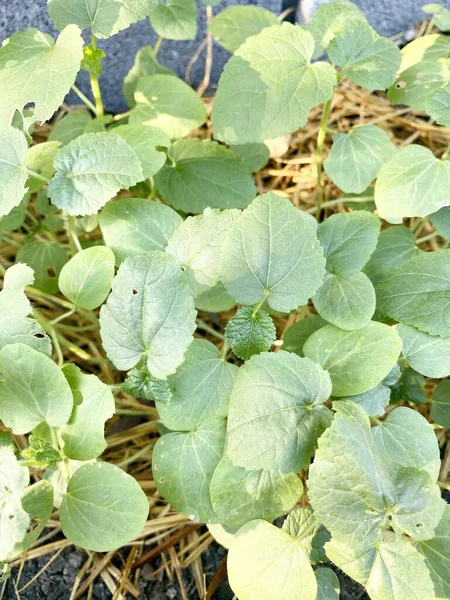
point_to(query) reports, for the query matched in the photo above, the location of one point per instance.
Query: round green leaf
(440, 407)
(441, 222)
(134, 226)
(356, 360)
(70, 127)
(273, 86)
(90, 170)
(200, 389)
(437, 556)
(254, 156)
(86, 278)
(330, 20)
(202, 174)
(427, 354)
(144, 140)
(232, 26)
(413, 183)
(272, 252)
(327, 584)
(346, 301)
(33, 389)
(166, 102)
(302, 525)
(47, 260)
(438, 106)
(149, 315)
(418, 293)
(357, 157)
(40, 159)
(104, 508)
(265, 562)
(440, 15)
(250, 333)
(145, 63)
(276, 412)
(175, 19)
(183, 465)
(396, 245)
(214, 300)
(239, 496)
(296, 335)
(13, 176)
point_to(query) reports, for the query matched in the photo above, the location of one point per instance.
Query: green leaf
(415, 84)
(86, 278)
(330, 20)
(327, 584)
(357, 157)
(439, 14)
(296, 335)
(303, 525)
(424, 49)
(363, 201)
(410, 387)
(273, 85)
(438, 106)
(265, 562)
(437, 556)
(396, 245)
(214, 300)
(239, 496)
(91, 170)
(70, 127)
(134, 226)
(40, 159)
(83, 435)
(250, 333)
(391, 570)
(272, 252)
(175, 19)
(142, 385)
(15, 327)
(13, 176)
(356, 360)
(16, 218)
(144, 140)
(145, 63)
(98, 124)
(440, 407)
(32, 390)
(104, 17)
(197, 246)
(149, 315)
(254, 156)
(37, 501)
(223, 536)
(200, 389)
(46, 259)
(92, 60)
(276, 412)
(166, 102)
(183, 466)
(441, 222)
(366, 58)
(427, 354)
(374, 401)
(348, 240)
(104, 508)
(232, 26)
(412, 184)
(346, 301)
(418, 293)
(36, 69)
(201, 174)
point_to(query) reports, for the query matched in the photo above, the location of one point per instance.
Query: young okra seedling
(333, 430)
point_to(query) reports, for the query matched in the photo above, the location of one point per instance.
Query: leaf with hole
(47, 260)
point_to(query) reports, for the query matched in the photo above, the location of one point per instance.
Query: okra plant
(327, 429)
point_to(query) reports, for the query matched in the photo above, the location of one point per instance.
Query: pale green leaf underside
(239, 496)
(357, 157)
(134, 226)
(32, 390)
(91, 170)
(356, 360)
(200, 389)
(249, 333)
(86, 278)
(13, 176)
(440, 407)
(276, 412)
(396, 245)
(412, 184)
(232, 26)
(183, 465)
(149, 315)
(346, 301)
(204, 174)
(167, 103)
(104, 508)
(265, 562)
(427, 354)
(374, 401)
(175, 19)
(14, 520)
(273, 85)
(418, 293)
(272, 252)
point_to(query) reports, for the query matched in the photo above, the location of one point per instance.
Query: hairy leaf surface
(249, 333)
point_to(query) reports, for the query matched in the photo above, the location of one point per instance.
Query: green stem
(202, 325)
(73, 238)
(257, 306)
(429, 28)
(319, 154)
(32, 173)
(446, 153)
(426, 238)
(159, 41)
(96, 87)
(46, 326)
(122, 116)
(225, 349)
(136, 455)
(84, 99)
(61, 317)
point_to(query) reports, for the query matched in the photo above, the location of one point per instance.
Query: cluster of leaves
(236, 433)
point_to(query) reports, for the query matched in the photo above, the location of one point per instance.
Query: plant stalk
(95, 86)
(157, 46)
(319, 154)
(84, 99)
